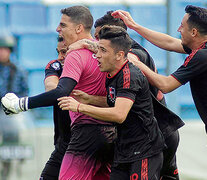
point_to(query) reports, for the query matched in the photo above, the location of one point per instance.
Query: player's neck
(118, 67)
(197, 44)
(85, 36)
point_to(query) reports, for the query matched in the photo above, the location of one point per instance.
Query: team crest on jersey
(56, 65)
(94, 56)
(112, 94)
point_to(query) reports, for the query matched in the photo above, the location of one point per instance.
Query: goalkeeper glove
(13, 105)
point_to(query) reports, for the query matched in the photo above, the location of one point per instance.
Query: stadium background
(33, 23)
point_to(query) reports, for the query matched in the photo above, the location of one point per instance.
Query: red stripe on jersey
(144, 169)
(48, 65)
(126, 77)
(176, 79)
(192, 54)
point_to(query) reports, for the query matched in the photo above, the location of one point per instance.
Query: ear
(120, 55)
(194, 32)
(79, 28)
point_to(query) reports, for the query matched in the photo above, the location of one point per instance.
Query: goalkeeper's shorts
(89, 154)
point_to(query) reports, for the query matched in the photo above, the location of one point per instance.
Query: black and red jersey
(194, 70)
(61, 118)
(139, 135)
(167, 120)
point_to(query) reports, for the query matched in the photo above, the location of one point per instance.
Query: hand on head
(125, 16)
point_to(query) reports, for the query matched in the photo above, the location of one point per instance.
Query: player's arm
(84, 44)
(13, 105)
(161, 40)
(52, 75)
(85, 98)
(164, 83)
(51, 82)
(116, 114)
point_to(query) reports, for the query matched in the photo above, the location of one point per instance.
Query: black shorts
(169, 170)
(93, 140)
(52, 167)
(148, 168)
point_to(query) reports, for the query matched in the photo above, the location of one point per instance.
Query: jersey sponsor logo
(137, 152)
(56, 66)
(112, 94)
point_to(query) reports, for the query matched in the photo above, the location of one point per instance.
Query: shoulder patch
(56, 65)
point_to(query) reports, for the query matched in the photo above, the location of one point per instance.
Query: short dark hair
(197, 18)
(108, 19)
(79, 15)
(118, 37)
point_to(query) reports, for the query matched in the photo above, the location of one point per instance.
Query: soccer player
(193, 30)
(167, 121)
(61, 118)
(139, 144)
(88, 155)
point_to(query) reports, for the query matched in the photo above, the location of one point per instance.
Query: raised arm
(161, 40)
(164, 83)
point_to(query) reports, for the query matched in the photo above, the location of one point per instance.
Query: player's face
(61, 50)
(185, 31)
(106, 57)
(96, 32)
(67, 30)
(4, 54)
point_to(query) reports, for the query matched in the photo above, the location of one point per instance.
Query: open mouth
(60, 38)
(99, 64)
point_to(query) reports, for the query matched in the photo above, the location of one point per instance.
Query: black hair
(197, 18)
(79, 15)
(118, 37)
(108, 19)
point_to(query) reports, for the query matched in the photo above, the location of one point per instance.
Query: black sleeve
(64, 88)
(194, 65)
(53, 68)
(129, 83)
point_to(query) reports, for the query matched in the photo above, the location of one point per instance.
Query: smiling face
(185, 32)
(106, 57)
(67, 30)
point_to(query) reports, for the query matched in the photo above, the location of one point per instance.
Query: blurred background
(26, 143)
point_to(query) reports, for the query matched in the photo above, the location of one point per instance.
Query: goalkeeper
(89, 153)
